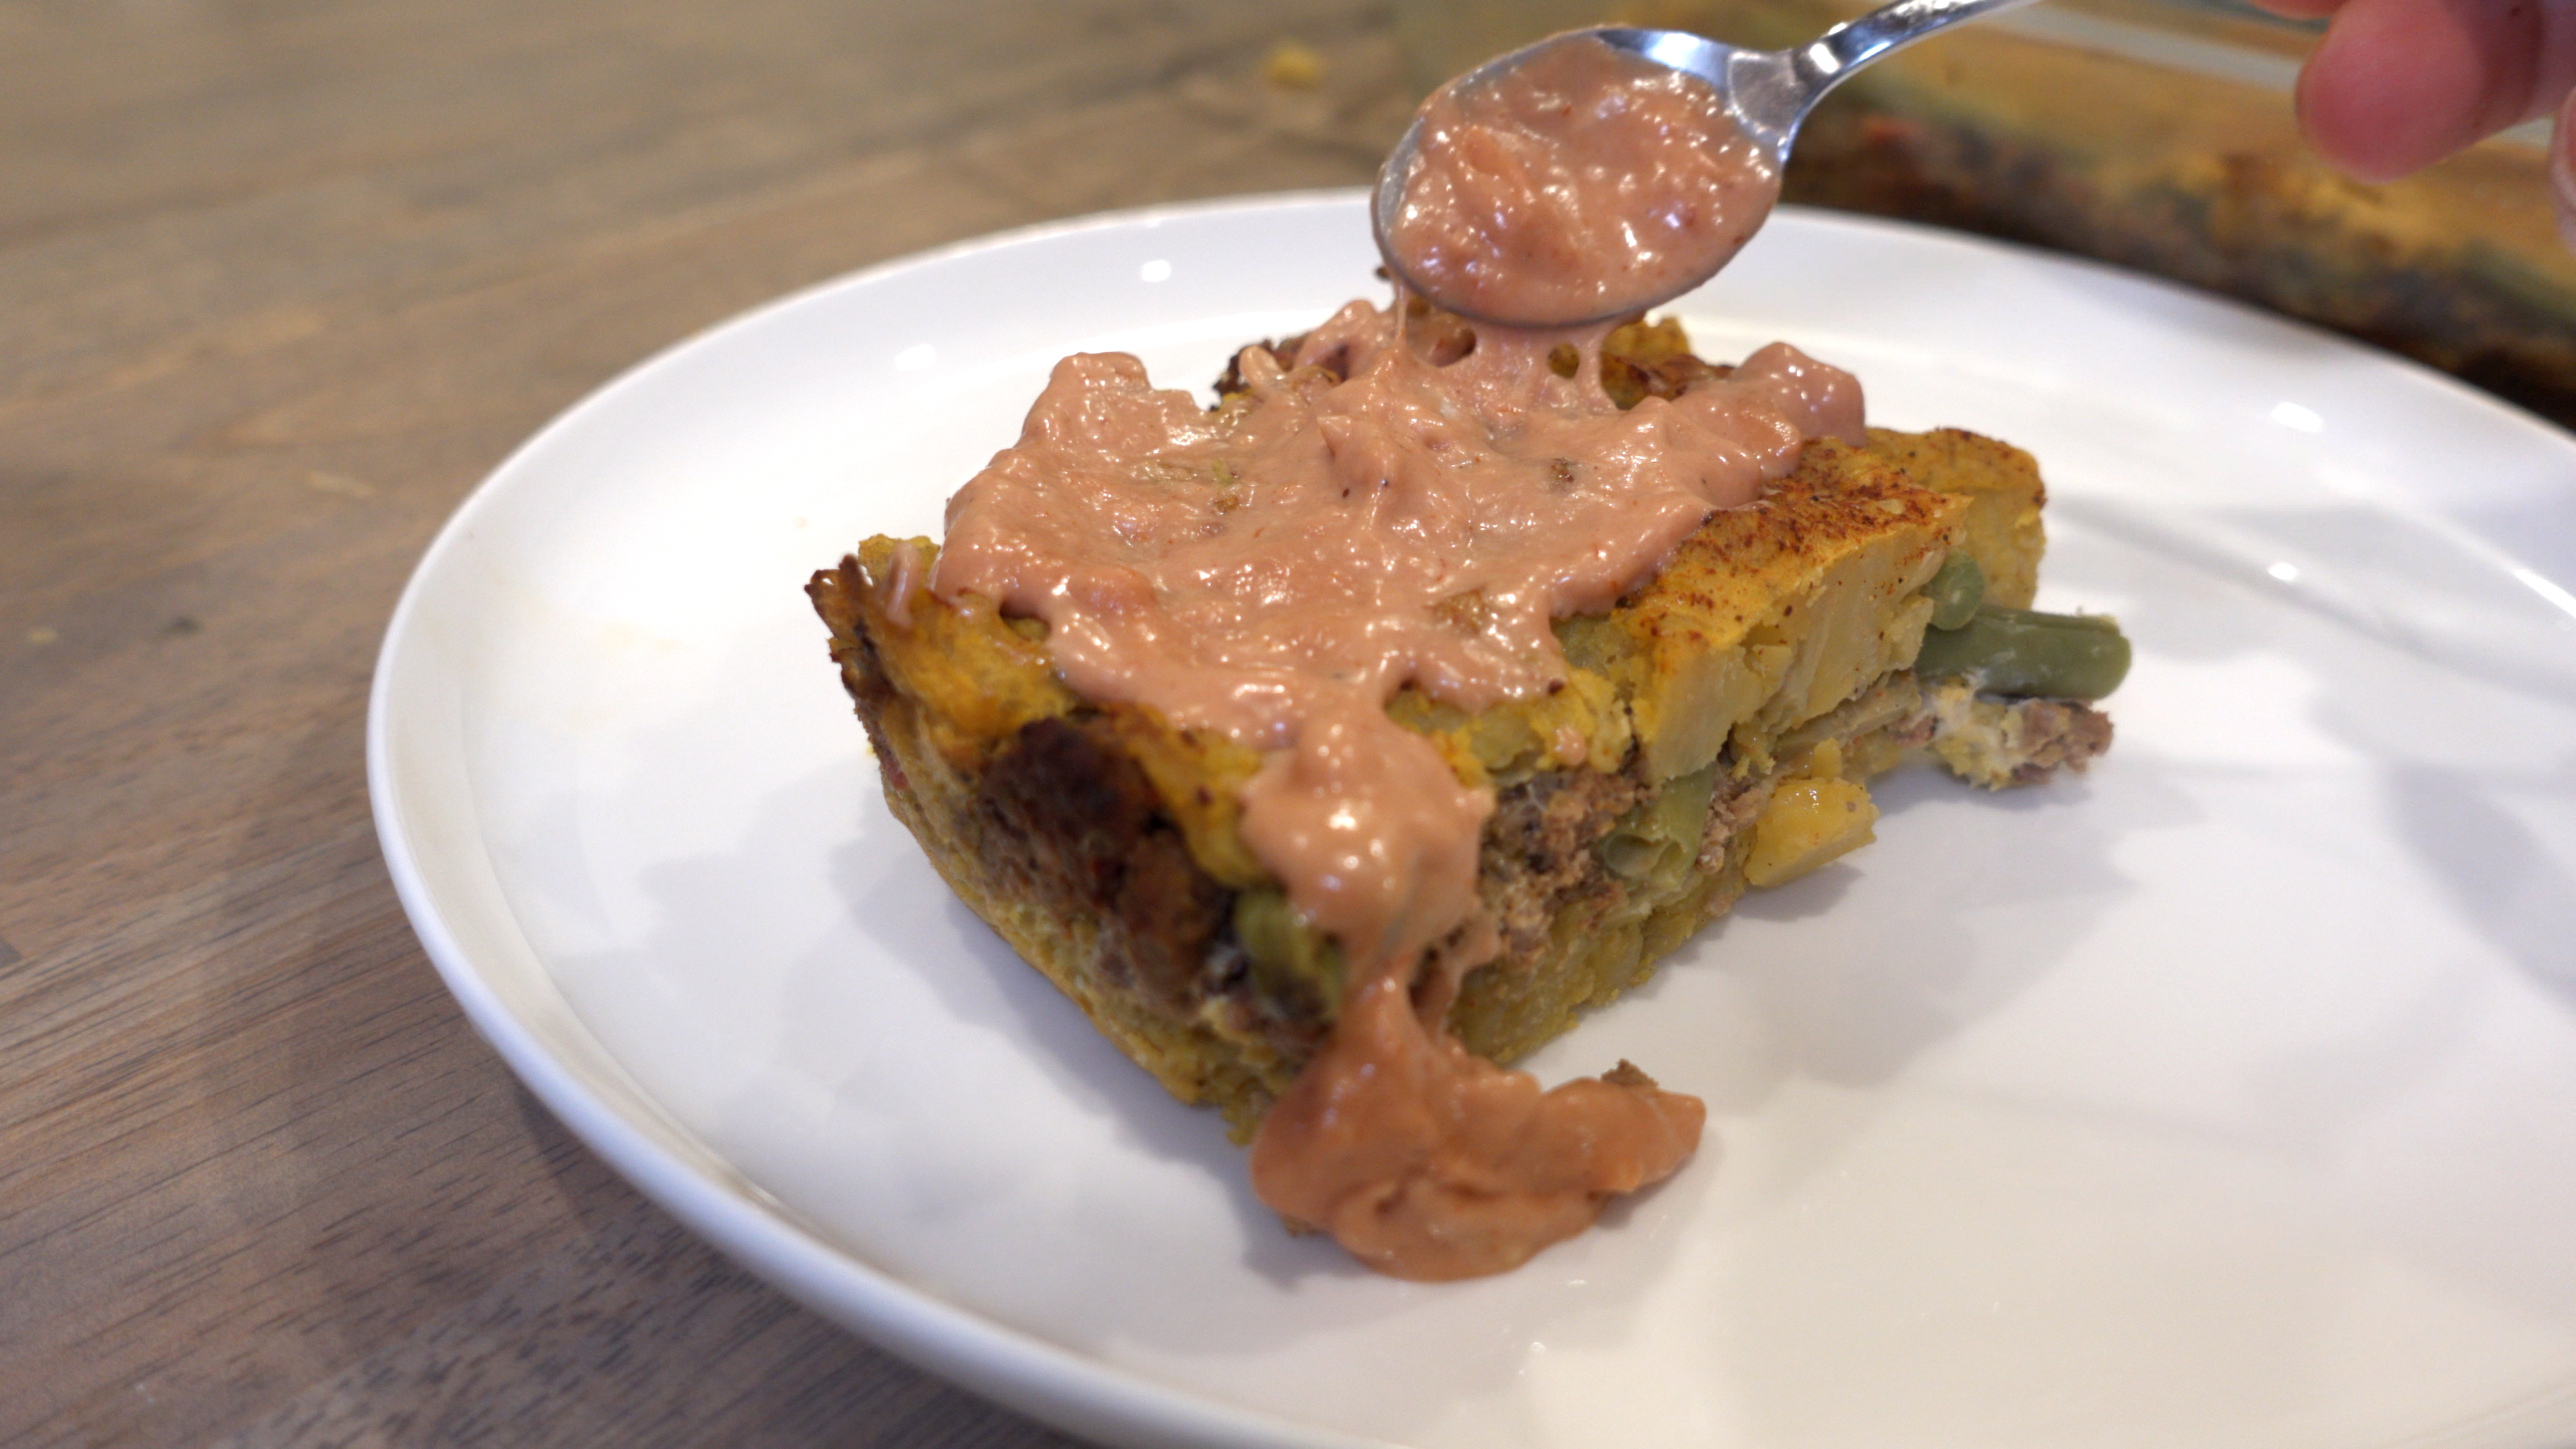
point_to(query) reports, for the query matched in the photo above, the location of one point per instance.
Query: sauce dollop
(1368, 516)
(1584, 182)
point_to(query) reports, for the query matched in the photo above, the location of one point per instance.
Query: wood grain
(282, 281)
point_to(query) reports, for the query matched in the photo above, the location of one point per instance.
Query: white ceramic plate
(2224, 1097)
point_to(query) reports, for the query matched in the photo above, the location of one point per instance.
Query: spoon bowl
(1761, 95)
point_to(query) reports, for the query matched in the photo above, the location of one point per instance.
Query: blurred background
(2156, 134)
(282, 280)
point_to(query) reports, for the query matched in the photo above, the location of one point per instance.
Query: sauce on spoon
(1576, 183)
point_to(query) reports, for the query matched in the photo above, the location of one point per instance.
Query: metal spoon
(1766, 92)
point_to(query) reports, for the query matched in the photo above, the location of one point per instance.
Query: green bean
(1658, 839)
(1284, 949)
(1956, 590)
(1634, 857)
(2021, 652)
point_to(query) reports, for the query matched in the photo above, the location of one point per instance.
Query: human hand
(2400, 84)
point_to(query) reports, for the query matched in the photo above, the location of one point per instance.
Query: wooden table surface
(279, 283)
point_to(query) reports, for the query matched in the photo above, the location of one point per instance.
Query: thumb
(2399, 84)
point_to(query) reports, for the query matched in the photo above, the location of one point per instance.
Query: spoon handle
(1834, 55)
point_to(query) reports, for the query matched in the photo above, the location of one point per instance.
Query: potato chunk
(1809, 823)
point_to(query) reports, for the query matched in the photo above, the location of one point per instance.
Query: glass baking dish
(2156, 134)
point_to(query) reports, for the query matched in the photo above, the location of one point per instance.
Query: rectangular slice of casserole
(1714, 734)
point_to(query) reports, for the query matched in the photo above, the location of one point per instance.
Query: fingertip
(2335, 117)
(2393, 86)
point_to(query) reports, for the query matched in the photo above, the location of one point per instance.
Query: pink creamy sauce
(1276, 570)
(1584, 183)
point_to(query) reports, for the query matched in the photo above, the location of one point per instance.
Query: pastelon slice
(1716, 733)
